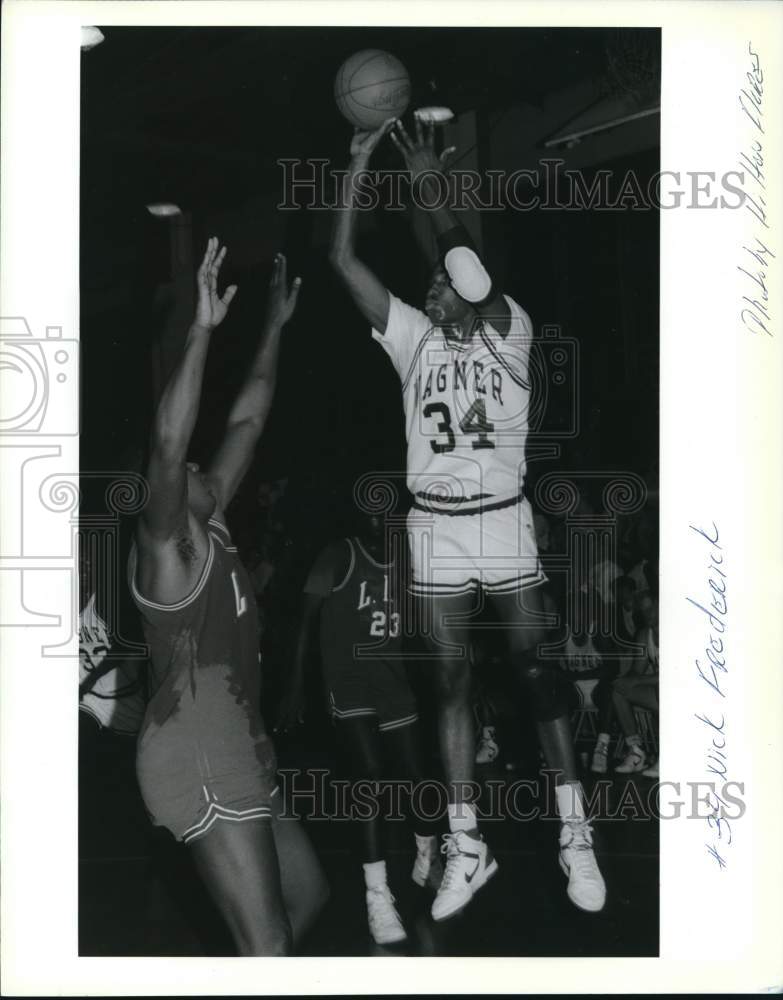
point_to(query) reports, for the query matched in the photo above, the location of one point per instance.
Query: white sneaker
(651, 771)
(488, 748)
(384, 920)
(469, 864)
(635, 760)
(428, 868)
(586, 887)
(598, 764)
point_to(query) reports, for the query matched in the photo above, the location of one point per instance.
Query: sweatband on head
(466, 272)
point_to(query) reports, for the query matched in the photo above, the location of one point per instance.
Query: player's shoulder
(218, 529)
(402, 313)
(519, 315)
(519, 332)
(332, 567)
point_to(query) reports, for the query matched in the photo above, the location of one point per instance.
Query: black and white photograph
(408, 614)
(373, 316)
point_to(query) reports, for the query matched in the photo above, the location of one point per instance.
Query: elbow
(340, 258)
(169, 445)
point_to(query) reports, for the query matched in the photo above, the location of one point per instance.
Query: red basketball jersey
(204, 656)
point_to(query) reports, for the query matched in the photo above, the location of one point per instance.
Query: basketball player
(356, 595)
(463, 366)
(205, 765)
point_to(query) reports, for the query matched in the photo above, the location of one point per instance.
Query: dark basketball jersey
(361, 617)
(204, 659)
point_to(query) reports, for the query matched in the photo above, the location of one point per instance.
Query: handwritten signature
(755, 312)
(714, 673)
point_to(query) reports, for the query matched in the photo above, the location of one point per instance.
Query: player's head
(442, 304)
(647, 609)
(625, 591)
(201, 499)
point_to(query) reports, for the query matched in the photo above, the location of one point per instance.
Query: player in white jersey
(463, 363)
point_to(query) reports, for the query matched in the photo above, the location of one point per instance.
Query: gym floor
(139, 895)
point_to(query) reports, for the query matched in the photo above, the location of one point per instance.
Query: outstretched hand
(420, 156)
(211, 309)
(281, 302)
(364, 141)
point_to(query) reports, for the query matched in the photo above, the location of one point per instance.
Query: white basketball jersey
(466, 407)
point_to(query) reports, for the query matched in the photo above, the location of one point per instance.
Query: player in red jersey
(205, 764)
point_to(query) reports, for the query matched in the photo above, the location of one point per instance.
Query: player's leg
(628, 691)
(520, 612)
(447, 637)
(238, 864)
(602, 699)
(544, 688)
(402, 748)
(302, 880)
(361, 743)
(469, 861)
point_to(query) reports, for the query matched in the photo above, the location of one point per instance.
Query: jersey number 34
(474, 422)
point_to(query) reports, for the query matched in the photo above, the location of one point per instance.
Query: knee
(547, 690)
(621, 687)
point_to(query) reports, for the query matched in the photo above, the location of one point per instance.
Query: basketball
(370, 87)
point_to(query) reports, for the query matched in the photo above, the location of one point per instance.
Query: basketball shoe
(383, 918)
(586, 887)
(488, 748)
(469, 864)
(635, 760)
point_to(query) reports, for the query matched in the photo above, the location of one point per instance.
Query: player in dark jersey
(355, 593)
(463, 365)
(205, 764)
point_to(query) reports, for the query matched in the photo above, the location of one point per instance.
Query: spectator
(638, 686)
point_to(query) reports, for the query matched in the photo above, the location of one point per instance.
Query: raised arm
(467, 272)
(251, 407)
(172, 545)
(369, 294)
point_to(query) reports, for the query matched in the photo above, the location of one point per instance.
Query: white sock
(428, 846)
(570, 805)
(461, 816)
(603, 739)
(635, 742)
(374, 874)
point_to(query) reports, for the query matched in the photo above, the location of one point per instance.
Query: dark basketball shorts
(190, 782)
(371, 688)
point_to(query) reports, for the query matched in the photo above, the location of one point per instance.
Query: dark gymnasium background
(200, 118)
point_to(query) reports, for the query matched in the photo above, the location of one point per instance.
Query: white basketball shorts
(456, 553)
